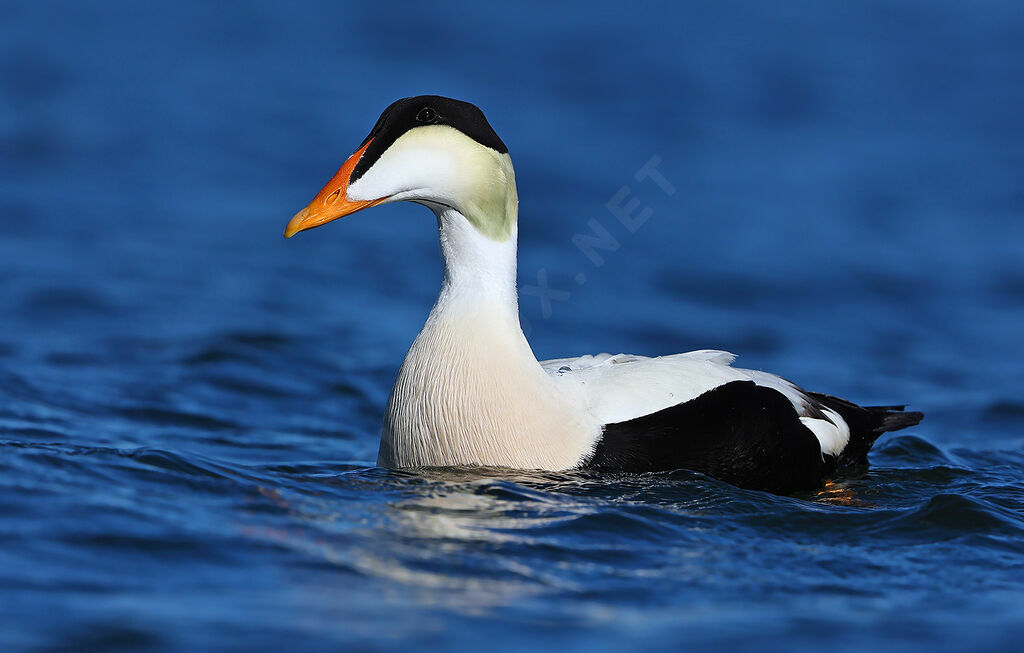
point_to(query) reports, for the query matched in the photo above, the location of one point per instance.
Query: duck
(471, 392)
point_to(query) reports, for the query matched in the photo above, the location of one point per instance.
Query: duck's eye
(426, 114)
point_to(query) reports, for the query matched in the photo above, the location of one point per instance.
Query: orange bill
(331, 202)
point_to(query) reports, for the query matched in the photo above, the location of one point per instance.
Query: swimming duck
(471, 391)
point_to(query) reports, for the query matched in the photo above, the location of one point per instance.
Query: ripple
(908, 450)
(947, 516)
(608, 527)
(249, 387)
(1005, 409)
(169, 461)
(66, 302)
(236, 346)
(179, 418)
(75, 359)
(34, 432)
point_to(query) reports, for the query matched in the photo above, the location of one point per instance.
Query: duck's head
(427, 149)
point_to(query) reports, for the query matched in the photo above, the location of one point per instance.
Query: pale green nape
(493, 204)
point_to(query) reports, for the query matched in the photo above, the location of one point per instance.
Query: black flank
(409, 113)
(740, 433)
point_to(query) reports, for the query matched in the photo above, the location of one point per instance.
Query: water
(190, 405)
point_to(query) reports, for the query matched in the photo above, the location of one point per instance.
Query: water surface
(190, 405)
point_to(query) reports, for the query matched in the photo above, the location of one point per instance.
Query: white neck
(477, 270)
(470, 391)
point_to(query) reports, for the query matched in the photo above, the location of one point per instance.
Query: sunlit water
(190, 405)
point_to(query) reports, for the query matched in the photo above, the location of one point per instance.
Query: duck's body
(471, 392)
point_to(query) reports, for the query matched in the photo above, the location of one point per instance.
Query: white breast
(469, 393)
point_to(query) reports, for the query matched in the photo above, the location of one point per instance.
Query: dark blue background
(190, 405)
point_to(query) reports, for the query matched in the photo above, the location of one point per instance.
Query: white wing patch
(621, 387)
(833, 433)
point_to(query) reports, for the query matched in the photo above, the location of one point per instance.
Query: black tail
(866, 424)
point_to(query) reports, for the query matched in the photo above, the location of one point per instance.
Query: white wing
(621, 387)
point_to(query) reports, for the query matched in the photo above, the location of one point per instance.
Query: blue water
(190, 405)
